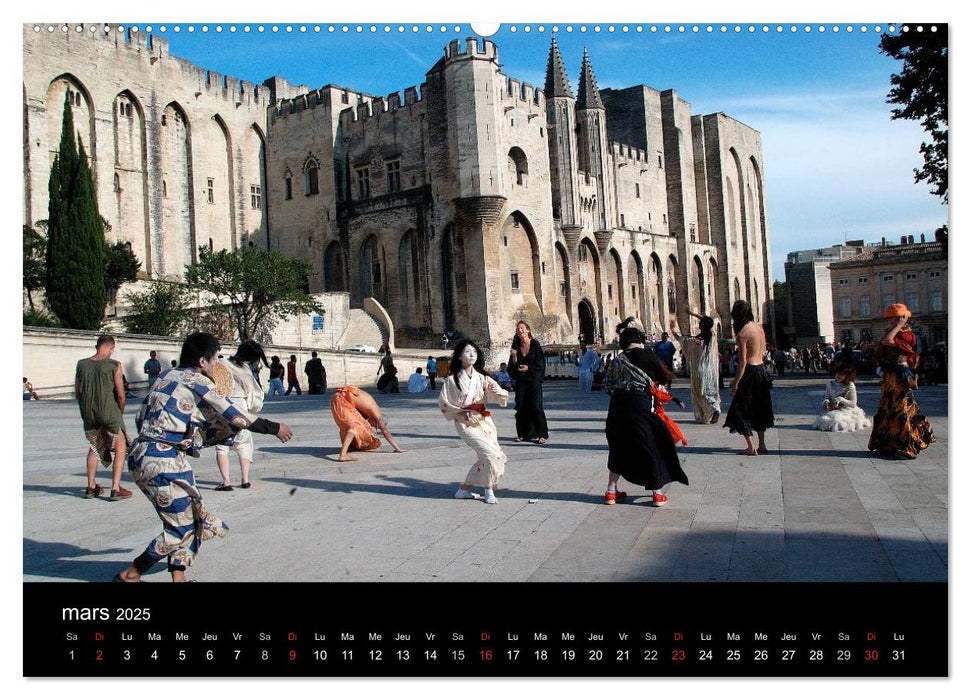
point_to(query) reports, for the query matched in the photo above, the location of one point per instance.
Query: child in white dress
(840, 412)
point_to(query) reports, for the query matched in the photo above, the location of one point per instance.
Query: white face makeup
(469, 356)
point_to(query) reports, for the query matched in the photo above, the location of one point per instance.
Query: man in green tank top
(100, 392)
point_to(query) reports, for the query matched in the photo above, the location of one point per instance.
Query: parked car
(363, 348)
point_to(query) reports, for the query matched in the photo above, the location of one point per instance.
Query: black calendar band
(401, 629)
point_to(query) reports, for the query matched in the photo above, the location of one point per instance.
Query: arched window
(518, 164)
(311, 170)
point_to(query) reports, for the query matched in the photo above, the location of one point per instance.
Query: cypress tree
(75, 240)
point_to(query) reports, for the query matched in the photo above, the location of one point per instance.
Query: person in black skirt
(641, 447)
(751, 411)
(527, 365)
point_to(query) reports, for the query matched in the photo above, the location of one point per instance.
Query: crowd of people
(206, 400)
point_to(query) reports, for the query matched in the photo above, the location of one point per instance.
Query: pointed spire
(588, 94)
(557, 83)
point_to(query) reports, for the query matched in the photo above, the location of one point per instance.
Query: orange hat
(896, 311)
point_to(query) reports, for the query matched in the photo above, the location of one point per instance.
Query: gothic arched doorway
(587, 324)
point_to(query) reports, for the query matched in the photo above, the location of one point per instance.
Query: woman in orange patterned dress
(900, 430)
(357, 415)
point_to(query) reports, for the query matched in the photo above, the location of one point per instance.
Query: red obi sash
(479, 408)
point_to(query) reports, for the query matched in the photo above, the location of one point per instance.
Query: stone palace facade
(465, 203)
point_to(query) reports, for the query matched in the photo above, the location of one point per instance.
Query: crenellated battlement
(366, 109)
(471, 49)
(523, 95)
(625, 153)
(156, 49)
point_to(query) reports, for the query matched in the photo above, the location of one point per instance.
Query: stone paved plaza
(818, 508)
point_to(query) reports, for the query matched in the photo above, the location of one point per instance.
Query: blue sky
(836, 166)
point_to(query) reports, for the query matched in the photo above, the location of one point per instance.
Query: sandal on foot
(224, 487)
(245, 485)
(93, 493)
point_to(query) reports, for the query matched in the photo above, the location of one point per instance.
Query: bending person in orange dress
(663, 397)
(357, 415)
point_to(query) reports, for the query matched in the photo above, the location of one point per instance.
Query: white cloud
(835, 174)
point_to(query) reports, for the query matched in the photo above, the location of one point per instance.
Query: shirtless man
(355, 412)
(751, 409)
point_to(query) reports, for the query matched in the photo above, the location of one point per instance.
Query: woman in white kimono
(247, 395)
(462, 400)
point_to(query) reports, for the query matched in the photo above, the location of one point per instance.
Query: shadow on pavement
(419, 488)
(60, 560)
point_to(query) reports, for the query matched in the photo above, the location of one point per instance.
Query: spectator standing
(432, 367)
(316, 374)
(276, 377)
(152, 368)
(664, 349)
(100, 392)
(292, 381)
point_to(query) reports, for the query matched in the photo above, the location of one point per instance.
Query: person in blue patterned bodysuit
(182, 414)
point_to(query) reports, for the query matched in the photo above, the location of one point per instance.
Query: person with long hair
(463, 400)
(900, 430)
(247, 395)
(701, 352)
(357, 415)
(751, 409)
(641, 448)
(182, 413)
(527, 365)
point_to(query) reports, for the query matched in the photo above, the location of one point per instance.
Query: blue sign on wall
(318, 323)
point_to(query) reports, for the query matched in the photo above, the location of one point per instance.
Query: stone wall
(50, 356)
(177, 151)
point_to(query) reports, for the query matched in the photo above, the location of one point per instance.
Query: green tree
(75, 262)
(35, 249)
(921, 89)
(121, 265)
(259, 287)
(162, 309)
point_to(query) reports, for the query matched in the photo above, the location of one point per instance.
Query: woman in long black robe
(641, 447)
(528, 369)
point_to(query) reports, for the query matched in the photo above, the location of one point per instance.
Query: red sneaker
(610, 498)
(659, 500)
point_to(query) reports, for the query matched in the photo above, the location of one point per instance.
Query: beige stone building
(464, 203)
(914, 273)
(810, 308)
